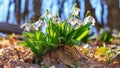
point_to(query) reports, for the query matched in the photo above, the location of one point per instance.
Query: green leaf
(87, 14)
(29, 34)
(86, 38)
(83, 34)
(106, 36)
(22, 44)
(45, 66)
(39, 49)
(74, 42)
(37, 35)
(31, 45)
(81, 31)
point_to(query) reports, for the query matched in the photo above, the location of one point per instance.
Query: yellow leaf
(101, 51)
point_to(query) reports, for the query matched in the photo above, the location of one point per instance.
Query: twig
(81, 57)
(17, 53)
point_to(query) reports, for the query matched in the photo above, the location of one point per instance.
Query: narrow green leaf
(37, 35)
(80, 30)
(22, 44)
(31, 45)
(29, 34)
(83, 34)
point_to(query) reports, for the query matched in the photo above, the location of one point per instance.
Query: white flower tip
(89, 19)
(23, 25)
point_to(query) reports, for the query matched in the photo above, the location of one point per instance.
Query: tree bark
(25, 13)
(8, 13)
(114, 14)
(17, 10)
(37, 7)
(10, 28)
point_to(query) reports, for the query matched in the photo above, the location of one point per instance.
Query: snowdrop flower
(26, 26)
(89, 19)
(71, 21)
(23, 25)
(47, 14)
(78, 22)
(37, 24)
(75, 10)
(45, 24)
(74, 22)
(56, 19)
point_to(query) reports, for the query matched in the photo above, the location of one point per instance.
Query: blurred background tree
(106, 12)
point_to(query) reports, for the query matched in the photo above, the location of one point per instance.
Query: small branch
(81, 57)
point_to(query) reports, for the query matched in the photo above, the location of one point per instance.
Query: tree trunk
(37, 7)
(114, 14)
(10, 28)
(8, 14)
(17, 10)
(25, 13)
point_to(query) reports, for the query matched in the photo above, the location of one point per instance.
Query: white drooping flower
(56, 19)
(45, 24)
(23, 25)
(26, 26)
(47, 14)
(38, 24)
(74, 22)
(78, 22)
(71, 21)
(75, 10)
(89, 19)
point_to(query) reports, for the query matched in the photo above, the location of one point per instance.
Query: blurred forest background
(106, 12)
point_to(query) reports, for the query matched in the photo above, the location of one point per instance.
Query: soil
(83, 56)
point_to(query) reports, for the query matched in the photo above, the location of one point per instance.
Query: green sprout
(106, 36)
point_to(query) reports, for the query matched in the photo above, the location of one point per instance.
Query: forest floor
(90, 55)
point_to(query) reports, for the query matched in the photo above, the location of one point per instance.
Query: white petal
(71, 21)
(76, 11)
(78, 22)
(23, 25)
(49, 15)
(56, 20)
(28, 27)
(37, 24)
(89, 19)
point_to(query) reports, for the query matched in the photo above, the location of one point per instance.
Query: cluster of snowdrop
(68, 32)
(72, 20)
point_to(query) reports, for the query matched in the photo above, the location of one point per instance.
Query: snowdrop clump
(68, 32)
(73, 20)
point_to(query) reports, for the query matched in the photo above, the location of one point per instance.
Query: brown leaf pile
(14, 56)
